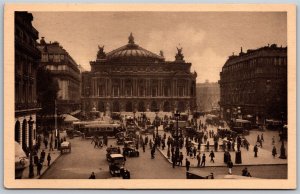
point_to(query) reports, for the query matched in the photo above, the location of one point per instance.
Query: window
(154, 92)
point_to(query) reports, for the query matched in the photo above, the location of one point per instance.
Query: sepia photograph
(156, 94)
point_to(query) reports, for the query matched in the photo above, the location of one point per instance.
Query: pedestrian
(49, 159)
(274, 151)
(51, 146)
(173, 160)
(273, 140)
(207, 146)
(255, 150)
(229, 165)
(233, 146)
(93, 176)
(168, 153)
(212, 155)
(42, 157)
(96, 143)
(187, 164)
(180, 159)
(258, 138)
(198, 159)
(199, 145)
(195, 152)
(203, 160)
(260, 143)
(39, 168)
(216, 145)
(245, 172)
(46, 143)
(36, 159)
(144, 147)
(262, 137)
(152, 152)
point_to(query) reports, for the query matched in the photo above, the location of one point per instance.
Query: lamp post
(156, 120)
(30, 123)
(282, 149)
(134, 114)
(177, 116)
(56, 128)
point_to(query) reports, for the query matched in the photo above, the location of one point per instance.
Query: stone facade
(132, 78)
(27, 58)
(255, 84)
(66, 71)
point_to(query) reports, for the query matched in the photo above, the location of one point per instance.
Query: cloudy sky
(207, 38)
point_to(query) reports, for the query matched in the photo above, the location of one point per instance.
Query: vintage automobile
(65, 147)
(131, 152)
(110, 151)
(116, 164)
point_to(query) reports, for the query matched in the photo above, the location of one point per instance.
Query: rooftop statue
(179, 56)
(131, 39)
(101, 54)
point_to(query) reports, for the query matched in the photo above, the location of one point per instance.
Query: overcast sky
(207, 38)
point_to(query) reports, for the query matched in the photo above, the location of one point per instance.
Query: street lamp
(177, 116)
(156, 120)
(30, 123)
(282, 149)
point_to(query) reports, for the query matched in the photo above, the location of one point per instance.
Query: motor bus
(101, 129)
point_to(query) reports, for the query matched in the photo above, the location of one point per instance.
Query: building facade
(66, 71)
(208, 96)
(132, 78)
(254, 84)
(27, 58)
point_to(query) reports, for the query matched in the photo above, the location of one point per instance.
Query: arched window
(17, 132)
(24, 132)
(141, 107)
(167, 107)
(116, 107)
(129, 107)
(181, 107)
(153, 106)
(101, 107)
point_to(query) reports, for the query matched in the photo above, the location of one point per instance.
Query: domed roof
(133, 51)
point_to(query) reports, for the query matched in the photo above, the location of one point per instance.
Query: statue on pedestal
(179, 56)
(101, 54)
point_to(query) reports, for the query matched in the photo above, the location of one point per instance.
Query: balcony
(26, 106)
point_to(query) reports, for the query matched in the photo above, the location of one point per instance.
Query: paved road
(84, 159)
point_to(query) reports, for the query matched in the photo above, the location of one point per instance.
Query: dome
(133, 51)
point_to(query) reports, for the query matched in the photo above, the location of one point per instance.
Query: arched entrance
(153, 106)
(17, 132)
(101, 107)
(141, 107)
(128, 107)
(116, 107)
(24, 129)
(167, 107)
(181, 107)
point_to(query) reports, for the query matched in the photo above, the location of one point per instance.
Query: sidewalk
(54, 156)
(264, 156)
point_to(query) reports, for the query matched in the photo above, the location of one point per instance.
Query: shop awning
(75, 112)
(69, 118)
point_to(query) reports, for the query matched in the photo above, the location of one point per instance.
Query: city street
(85, 159)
